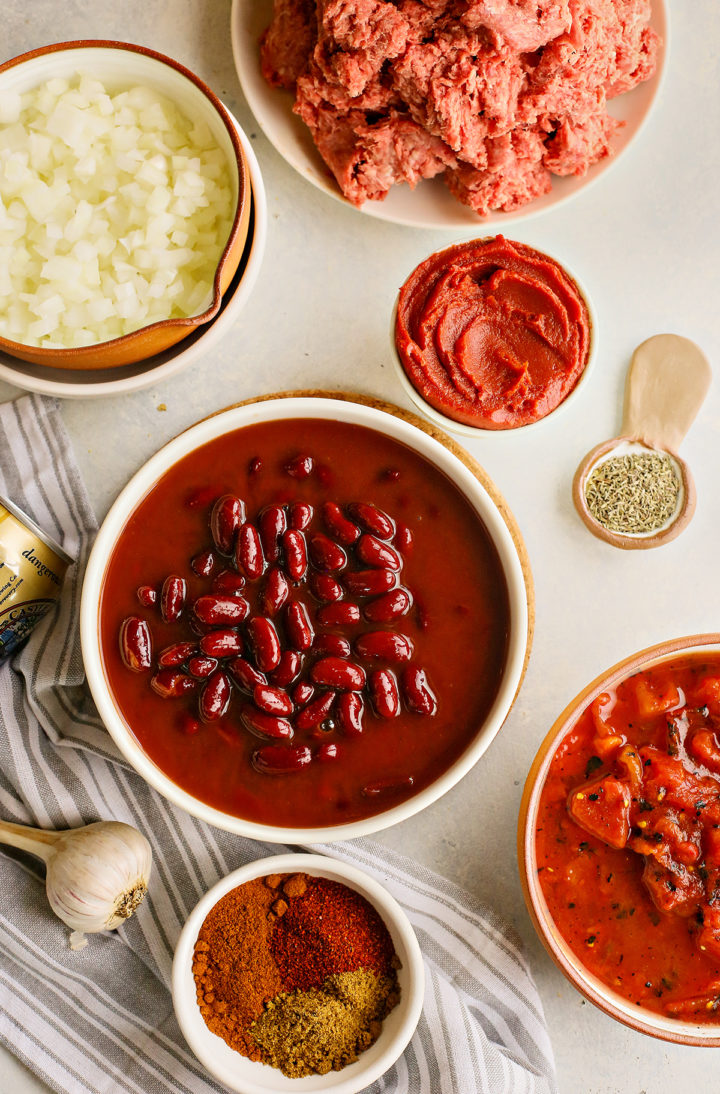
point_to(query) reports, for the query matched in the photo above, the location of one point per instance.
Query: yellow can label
(31, 574)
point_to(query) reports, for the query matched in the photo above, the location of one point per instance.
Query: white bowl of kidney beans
(306, 617)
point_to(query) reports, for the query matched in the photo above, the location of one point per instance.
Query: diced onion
(114, 212)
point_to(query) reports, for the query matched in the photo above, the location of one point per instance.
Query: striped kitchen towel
(100, 1021)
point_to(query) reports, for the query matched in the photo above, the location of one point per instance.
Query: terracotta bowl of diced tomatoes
(619, 841)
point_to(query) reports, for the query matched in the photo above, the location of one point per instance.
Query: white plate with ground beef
(495, 110)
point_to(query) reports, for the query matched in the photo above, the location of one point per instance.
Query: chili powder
(330, 929)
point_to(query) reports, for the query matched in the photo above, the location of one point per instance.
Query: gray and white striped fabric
(100, 1020)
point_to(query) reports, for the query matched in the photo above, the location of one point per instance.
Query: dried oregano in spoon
(96, 875)
(633, 494)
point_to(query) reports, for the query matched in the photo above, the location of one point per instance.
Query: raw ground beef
(496, 94)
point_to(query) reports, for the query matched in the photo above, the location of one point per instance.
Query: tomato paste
(628, 838)
(492, 333)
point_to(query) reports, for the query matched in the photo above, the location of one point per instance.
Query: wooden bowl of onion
(125, 191)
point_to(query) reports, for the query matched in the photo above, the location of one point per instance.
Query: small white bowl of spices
(297, 973)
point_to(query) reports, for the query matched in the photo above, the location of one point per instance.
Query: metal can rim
(30, 524)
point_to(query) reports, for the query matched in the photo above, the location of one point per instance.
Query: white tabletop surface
(645, 240)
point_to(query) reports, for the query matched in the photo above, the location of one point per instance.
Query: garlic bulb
(96, 876)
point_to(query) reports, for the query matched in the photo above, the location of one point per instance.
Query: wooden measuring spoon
(667, 382)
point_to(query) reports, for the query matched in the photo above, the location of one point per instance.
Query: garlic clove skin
(98, 875)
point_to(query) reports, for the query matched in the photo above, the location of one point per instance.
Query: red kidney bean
(300, 515)
(369, 582)
(338, 524)
(315, 712)
(281, 759)
(147, 595)
(326, 554)
(172, 598)
(390, 474)
(303, 693)
(202, 667)
(174, 655)
(228, 513)
(169, 683)
(218, 611)
(418, 694)
(215, 697)
(272, 700)
(266, 725)
(272, 522)
(298, 627)
(388, 607)
(373, 552)
(249, 553)
(277, 590)
(338, 615)
(327, 752)
(222, 644)
(288, 669)
(265, 643)
(372, 518)
(325, 588)
(404, 539)
(350, 709)
(384, 693)
(189, 725)
(245, 674)
(331, 645)
(335, 673)
(136, 646)
(203, 564)
(229, 583)
(388, 786)
(300, 466)
(384, 645)
(255, 466)
(295, 554)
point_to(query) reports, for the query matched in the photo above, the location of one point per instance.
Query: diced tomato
(606, 747)
(654, 697)
(603, 809)
(708, 937)
(711, 844)
(628, 759)
(673, 888)
(704, 747)
(600, 711)
(708, 694)
(668, 780)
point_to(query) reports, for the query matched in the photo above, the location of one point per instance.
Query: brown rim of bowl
(80, 357)
(603, 997)
(617, 539)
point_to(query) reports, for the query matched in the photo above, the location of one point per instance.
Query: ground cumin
(325, 1029)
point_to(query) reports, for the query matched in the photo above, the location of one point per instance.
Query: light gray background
(646, 242)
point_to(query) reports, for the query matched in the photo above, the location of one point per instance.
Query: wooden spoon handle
(35, 840)
(667, 382)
